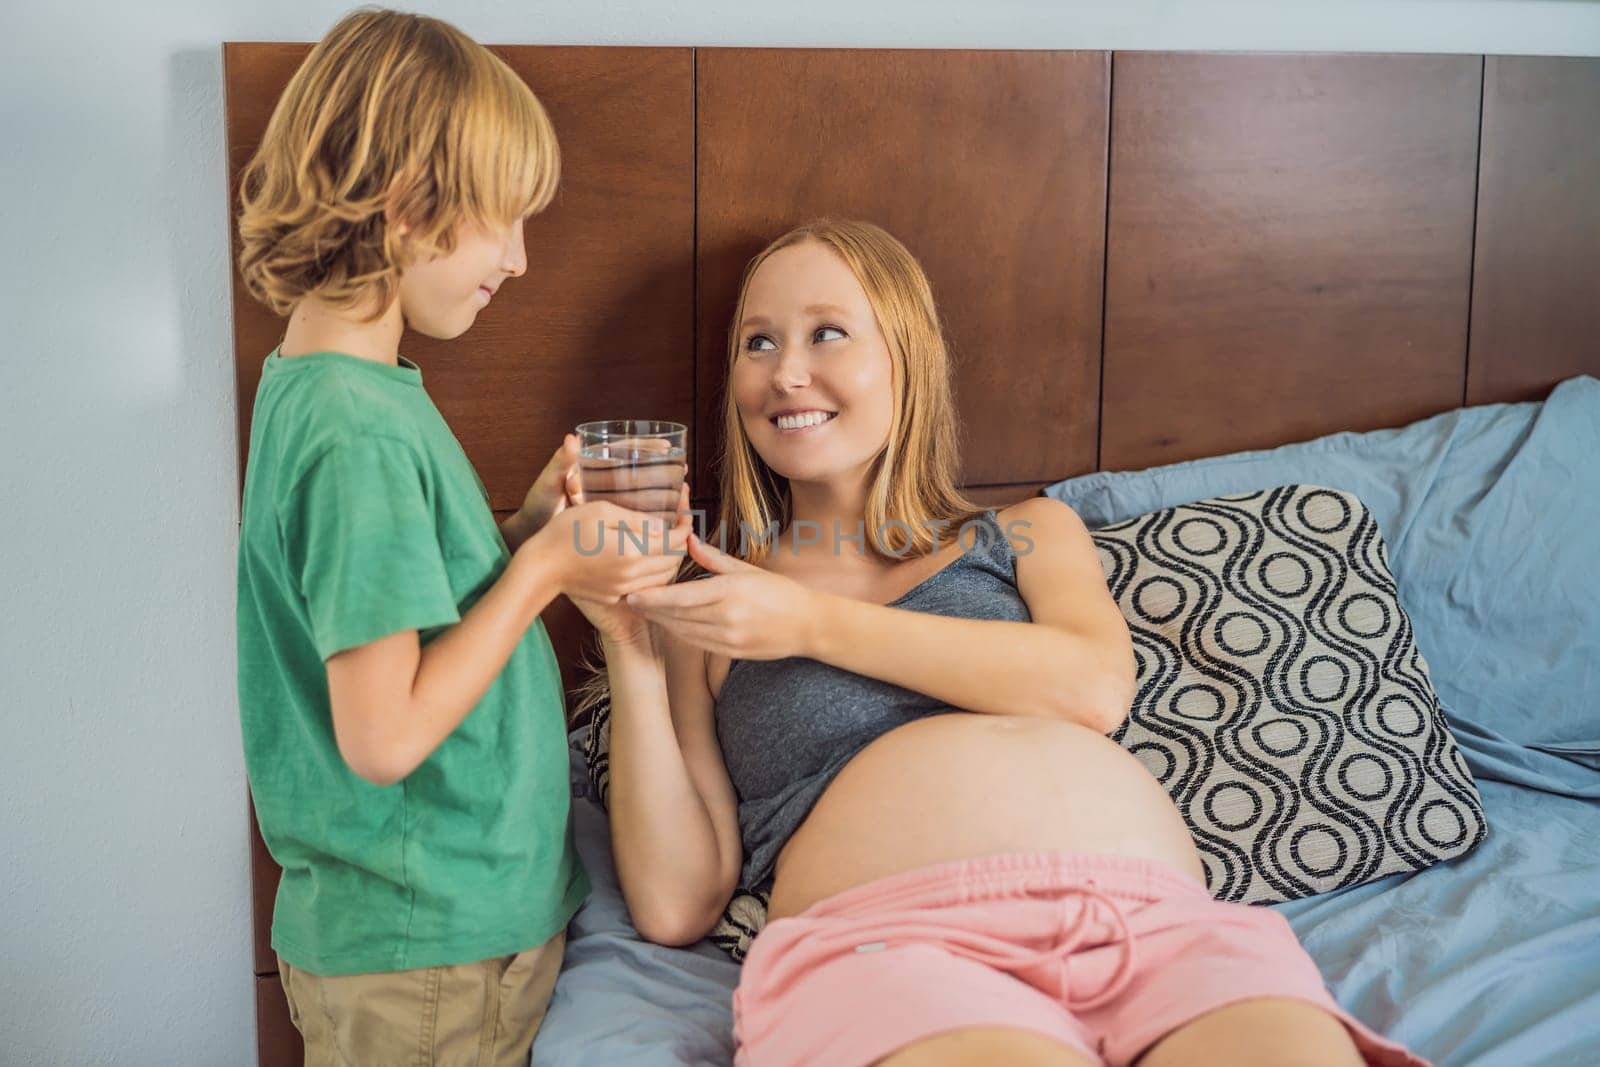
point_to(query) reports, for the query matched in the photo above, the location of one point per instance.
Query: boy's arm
(361, 544)
(517, 529)
(394, 702)
(360, 541)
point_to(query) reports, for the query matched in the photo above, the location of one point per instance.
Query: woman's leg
(1263, 1031)
(988, 1047)
(1218, 983)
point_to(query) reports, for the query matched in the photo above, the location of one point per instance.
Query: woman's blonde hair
(915, 477)
(393, 117)
(913, 486)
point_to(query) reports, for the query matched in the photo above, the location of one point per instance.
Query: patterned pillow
(1281, 700)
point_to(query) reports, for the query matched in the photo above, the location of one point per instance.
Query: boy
(402, 712)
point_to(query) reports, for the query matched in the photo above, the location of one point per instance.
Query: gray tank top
(788, 726)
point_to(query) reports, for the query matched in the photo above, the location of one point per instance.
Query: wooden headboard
(1140, 257)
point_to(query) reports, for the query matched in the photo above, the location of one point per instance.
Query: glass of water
(633, 463)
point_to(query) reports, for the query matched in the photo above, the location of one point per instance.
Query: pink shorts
(1106, 954)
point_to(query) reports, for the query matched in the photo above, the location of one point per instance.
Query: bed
(1166, 276)
(1492, 958)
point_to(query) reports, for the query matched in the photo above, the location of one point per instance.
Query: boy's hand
(617, 623)
(554, 490)
(603, 552)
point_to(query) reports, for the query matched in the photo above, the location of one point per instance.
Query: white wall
(125, 934)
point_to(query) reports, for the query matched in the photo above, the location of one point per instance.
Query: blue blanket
(1492, 518)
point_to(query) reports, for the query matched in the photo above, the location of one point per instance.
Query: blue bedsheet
(621, 1000)
(1492, 517)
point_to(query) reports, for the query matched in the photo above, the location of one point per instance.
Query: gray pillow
(1281, 700)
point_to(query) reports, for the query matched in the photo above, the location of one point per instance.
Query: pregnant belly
(962, 785)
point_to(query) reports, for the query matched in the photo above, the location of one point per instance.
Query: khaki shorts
(482, 1014)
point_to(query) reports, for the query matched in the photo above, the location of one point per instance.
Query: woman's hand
(617, 624)
(742, 611)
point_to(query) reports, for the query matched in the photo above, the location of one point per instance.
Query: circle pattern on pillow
(1282, 700)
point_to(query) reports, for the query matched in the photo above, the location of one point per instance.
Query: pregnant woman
(893, 705)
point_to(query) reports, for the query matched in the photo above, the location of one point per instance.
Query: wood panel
(601, 325)
(999, 496)
(264, 876)
(253, 78)
(989, 166)
(1289, 248)
(278, 1043)
(1536, 279)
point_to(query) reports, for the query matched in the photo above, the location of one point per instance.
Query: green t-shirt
(362, 518)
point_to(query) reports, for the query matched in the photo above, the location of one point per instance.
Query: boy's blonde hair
(392, 117)
(914, 483)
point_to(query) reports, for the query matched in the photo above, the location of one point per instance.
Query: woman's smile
(794, 424)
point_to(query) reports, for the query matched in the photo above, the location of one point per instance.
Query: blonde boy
(402, 712)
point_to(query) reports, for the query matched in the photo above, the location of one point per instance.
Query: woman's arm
(1074, 661)
(674, 814)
